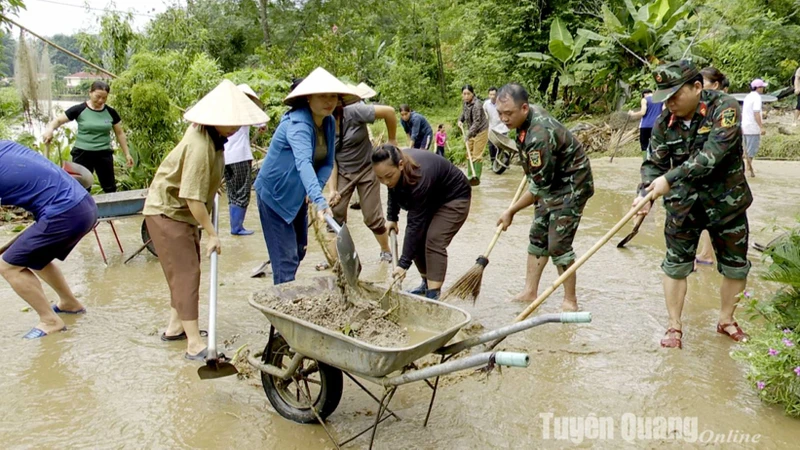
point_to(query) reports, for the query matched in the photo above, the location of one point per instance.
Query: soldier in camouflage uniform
(560, 183)
(695, 162)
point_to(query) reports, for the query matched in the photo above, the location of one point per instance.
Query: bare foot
(524, 296)
(569, 305)
(51, 326)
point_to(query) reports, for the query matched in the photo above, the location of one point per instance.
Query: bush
(772, 352)
(10, 103)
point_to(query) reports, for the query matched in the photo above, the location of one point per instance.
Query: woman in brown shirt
(180, 199)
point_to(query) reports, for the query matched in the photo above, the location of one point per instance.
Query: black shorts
(52, 237)
(798, 103)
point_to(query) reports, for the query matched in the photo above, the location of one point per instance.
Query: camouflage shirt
(554, 161)
(702, 161)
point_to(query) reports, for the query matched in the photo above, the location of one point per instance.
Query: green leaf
(18, 228)
(559, 32)
(611, 21)
(560, 50)
(591, 35)
(658, 11)
(631, 9)
(535, 55)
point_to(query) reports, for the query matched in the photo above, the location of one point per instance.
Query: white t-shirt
(237, 149)
(494, 119)
(751, 106)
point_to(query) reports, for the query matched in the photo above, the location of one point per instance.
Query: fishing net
(25, 78)
(45, 88)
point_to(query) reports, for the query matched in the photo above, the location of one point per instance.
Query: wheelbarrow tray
(431, 325)
(119, 204)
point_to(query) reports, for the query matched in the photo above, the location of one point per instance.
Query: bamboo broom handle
(499, 231)
(574, 267)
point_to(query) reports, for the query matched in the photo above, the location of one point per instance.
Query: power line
(85, 7)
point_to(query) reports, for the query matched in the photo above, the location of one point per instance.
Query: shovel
(348, 256)
(217, 365)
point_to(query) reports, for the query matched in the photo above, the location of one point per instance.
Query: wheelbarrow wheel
(501, 162)
(146, 239)
(289, 397)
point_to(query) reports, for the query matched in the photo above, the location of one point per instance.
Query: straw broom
(469, 285)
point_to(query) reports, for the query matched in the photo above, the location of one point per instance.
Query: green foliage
(10, 104)
(772, 352)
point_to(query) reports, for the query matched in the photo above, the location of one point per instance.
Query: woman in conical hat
(238, 168)
(298, 164)
(180, 199)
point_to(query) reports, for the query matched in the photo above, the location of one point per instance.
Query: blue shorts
(751, 144)
(52, 237)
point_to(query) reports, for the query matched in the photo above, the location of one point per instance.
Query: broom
(469, 285)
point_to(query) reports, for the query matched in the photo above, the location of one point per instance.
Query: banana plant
(652, 31)
(565, 53)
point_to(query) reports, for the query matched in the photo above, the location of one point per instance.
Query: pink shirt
(441, 137)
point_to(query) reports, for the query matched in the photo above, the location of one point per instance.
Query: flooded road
(109, 382)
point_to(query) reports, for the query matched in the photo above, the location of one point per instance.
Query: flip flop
(198, 357)
(58, 310)
(705, 263)
(36, 333)
(180, 337)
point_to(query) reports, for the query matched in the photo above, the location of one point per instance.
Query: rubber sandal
(738, 336)
(58, 310)
(198, 357)
(180, 337)
(703, 262)
(322, 266)
(672, 342)
(36, 333)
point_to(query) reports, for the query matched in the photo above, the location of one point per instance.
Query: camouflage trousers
(729, 241)
(552, 233)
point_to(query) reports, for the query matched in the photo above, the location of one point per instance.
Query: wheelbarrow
(121, 205)
(302, 364)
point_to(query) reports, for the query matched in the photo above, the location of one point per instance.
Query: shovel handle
(332, 223)
(466, 150)
(212, 296)
(577, 264)
(499, 230)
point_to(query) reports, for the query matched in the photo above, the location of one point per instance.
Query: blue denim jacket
(287, 175)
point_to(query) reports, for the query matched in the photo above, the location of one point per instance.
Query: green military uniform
(560, 178)
(702, 161)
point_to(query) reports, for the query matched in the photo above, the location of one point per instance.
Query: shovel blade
(215, 368)
(348, 256)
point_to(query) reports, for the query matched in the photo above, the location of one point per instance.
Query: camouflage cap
(670, 77)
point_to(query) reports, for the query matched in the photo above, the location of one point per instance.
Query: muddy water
(109, 382)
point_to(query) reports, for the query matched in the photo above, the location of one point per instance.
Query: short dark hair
(441, 125)
(697, 79)
(725, 84)
(100, 86)
(646, 91)
(515, 92)
(405, 108)
(493, 88)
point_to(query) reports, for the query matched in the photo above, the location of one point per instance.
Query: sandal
(672, 342)
(738, 336)
(322, 266)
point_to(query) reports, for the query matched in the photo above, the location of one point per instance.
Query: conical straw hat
(251, 93)
(226, 106)
(365, 91)
(320, 81)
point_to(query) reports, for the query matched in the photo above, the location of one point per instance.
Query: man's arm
(639, 114)
(725, 133)
(387, 113)
(658, 161)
